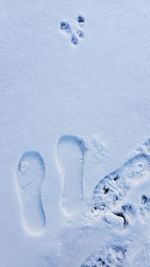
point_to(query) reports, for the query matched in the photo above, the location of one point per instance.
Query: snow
(72, 113)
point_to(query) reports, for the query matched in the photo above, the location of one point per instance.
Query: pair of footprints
(31, 173)
(109, 195)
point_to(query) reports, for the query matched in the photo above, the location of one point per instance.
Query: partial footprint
(65, 26)
(81, 20)
(70, 155)
(109, 256)
(145, 206)
(111, 191)
(30, 176)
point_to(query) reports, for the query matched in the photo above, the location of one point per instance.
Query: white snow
(74, 108)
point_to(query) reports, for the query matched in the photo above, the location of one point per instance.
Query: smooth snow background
(49, 88)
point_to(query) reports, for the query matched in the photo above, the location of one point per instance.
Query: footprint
(81, 20)
(110, 192)
(30, 176)
(70, 155)
(74, 40)
(145, 206)
(80, 34)
(65, 26)
(109, 256)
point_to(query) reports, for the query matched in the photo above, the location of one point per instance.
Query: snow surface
(74, 138)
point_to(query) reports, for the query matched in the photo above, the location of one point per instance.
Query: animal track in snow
(109, 256)
(70, 156)
(81, 20)
(77, 34)
(30, 177)
(110, 192)
(80, 34)
(65, 26)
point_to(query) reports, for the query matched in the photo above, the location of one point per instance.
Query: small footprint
(74, 39)
(70, 156)
(65, 26)
(30, 177)
(81, 20)
(80, 34)
(109, 256)
(110, 192)
(77, 34)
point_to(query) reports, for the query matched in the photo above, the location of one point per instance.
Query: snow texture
(75, 133)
